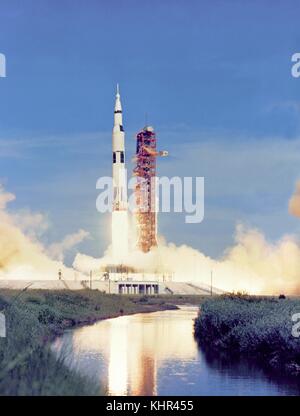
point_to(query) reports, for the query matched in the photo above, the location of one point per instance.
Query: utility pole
(91, 275)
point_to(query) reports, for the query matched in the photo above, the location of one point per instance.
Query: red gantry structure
(145, 189)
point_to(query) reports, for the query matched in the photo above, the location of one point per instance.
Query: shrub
(48, 316)
(253, 326)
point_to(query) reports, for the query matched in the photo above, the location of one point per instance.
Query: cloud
(289, 105)
(18, 147)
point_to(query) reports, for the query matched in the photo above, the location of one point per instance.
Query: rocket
(119, 203)
(118, 158)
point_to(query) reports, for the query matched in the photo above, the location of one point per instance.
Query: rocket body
(118, 148)
(119, 209)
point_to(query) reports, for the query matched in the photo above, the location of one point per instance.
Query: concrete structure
(123, 273)
(138, 288)
(114, 287)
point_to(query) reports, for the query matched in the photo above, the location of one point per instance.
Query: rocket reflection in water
(127, 353)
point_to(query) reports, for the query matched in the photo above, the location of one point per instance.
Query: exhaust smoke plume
(22, 256)
(251, 265)
(294, 203)
(57, 250)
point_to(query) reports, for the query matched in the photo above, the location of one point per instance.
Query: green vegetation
(27, 365)
(35, 317)
(251, 326)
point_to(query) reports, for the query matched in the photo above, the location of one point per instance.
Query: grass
(34, 317)
(27, 365)
(251, 326)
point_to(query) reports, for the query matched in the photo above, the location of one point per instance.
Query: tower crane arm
(155, 153)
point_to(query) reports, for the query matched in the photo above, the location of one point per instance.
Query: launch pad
(113, 287)
(123, 273)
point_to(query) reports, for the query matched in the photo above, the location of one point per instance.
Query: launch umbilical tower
(145, 188)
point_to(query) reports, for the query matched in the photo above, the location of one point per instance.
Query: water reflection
(155, 353)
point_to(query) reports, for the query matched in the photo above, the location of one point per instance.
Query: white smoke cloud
(85, 264)
(252, 264)
(57, 250)
(5, 198)
(22, 256)
(32, 224)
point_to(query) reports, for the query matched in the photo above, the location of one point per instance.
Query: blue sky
(214, 78)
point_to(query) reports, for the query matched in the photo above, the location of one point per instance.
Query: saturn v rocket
(120, 206)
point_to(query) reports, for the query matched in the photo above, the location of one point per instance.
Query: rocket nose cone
(118, 92)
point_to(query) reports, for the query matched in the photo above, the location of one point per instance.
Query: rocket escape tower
(145, 188)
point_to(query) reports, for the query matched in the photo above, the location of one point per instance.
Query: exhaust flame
(294, 203)
(119, 236)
